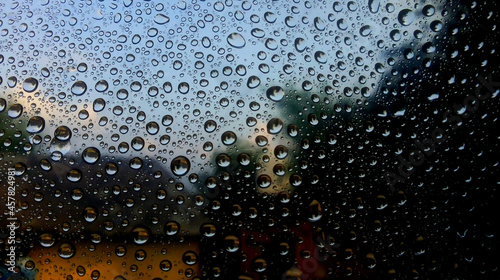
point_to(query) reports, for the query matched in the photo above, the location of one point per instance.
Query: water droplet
(314, 210)
(165, 265)
(244, 159)
(365, 30)
(101, 86)
(374, 5)
(279, 169)
(300, 44)
(30, 84)
(428, 10)
(275, 93)
(161, 19)
(74, 175)
(258, 33)
(62, 133)
(3, 104)
(140, 234)
(66, 250)
(320, 57)
(208, 230)
(90, 214)
(190, 258)
(120, 250)
(406, 17)
(259, 265)
(99, 105)
(80, 270)
(172, 228)
(135, 163)
(232, 243)
(137, 143)
(47, 240)
(180, 166)
(77, 194)
(79, 88)
(15, 110)
(152, 128)
(274, 126)
(271, 44)
(236, 40)
(210, 126)
(228, 138)
(270, 17)
(11, 81)
(264, 181)
(280, 152)
(35, 124)
(253, 82)
(223, 160)
(319, 24)
(140, 255)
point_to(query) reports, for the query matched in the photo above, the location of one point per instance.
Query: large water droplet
(47, 240)
(232, 243)
(180, 166)
(228, 138)
(161, 19)
(35, 124)
(274, 126)
(66, 250)
(62, 133)
(79, 88)
(264, 181)
(236, 40)
(15, 110)
(140, 234)
(99, 104)
(172, 228)
(275, 93)
(90, 214)
(190, 258)
(406, 17)
(30, 84)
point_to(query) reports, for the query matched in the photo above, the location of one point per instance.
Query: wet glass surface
(249, 139)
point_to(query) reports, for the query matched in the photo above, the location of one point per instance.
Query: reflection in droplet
(47, 240)
(140, 234)
(79, 88)
(228, 138)
(236, 40)
(35, 124)
(190, 258)
(30, 84)
(210, 126)
(274, 126)
(172, 228)
(90, 214)
(15, 110)
(275, 93)
(264, 181)
(165, 265)
(232, 243)
(62, 133)
(406, 17)
(208, 230)
(180, 166)
(66, 250)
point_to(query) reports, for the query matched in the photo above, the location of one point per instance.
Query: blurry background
(250, 139)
